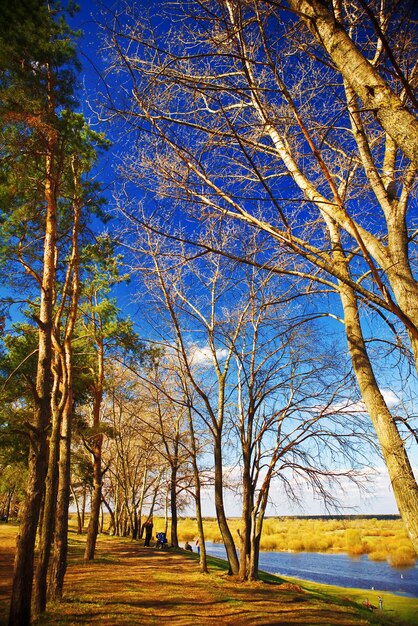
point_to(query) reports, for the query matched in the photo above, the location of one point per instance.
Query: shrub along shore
(380, 538)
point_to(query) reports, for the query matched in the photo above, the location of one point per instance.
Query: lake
(335, 569)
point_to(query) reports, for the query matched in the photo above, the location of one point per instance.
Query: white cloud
(390, 397)
(203, 356)
(348, 406)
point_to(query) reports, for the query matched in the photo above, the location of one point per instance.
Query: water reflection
(335, 569)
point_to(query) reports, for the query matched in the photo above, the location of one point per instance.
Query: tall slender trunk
(135, 523)
(141, 500)
(173, 503)
(59, 557)
(50, 499)
(392, 446)
(166, 507)
(96, 500)
(198, 500)
(20, 608)
(247, 506)
(77, 506)
(83, 507)
(96, 450)
(257, 520)
(112, 523)
(220, 509)
(6, 509)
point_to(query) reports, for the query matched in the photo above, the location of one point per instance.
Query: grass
(130, 584)
(381, 539)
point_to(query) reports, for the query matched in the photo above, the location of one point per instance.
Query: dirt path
(130, 584)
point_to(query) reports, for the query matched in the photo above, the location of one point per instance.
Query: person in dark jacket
(148, 532)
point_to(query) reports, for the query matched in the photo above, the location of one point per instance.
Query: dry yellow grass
(381, 539)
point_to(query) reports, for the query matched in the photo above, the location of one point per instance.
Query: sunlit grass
(381, 539)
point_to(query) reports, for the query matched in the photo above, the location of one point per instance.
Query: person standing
(197, 543)
(148, 532)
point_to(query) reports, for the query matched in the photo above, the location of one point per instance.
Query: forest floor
(130, 584)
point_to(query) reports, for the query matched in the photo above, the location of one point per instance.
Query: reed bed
(380, 539)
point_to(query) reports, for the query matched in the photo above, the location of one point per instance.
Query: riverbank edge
(406, 607)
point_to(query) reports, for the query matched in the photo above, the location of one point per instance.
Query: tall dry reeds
(381, 539)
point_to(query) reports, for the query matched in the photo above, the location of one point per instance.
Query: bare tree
(256, 121)
(132, 453)
(261, 389)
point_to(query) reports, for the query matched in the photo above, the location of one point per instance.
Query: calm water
(335, 569)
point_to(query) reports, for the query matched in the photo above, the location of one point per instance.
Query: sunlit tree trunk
(220, 508)
(373, 90)
(60, 548)
(197, 493)
(20, 608)
(96, 451)
(393, 448)
(247, 507)
(173, 497)
(50, 496)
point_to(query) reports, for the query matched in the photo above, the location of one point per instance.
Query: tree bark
(375, 93)
(173, 503)
(49, 506)
(198, 502)
(20, 608)
(220, 509)
(396, 459)
(59, 559)
(247, 507)
(96, 500)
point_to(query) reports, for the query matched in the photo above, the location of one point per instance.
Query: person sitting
(187, 546)
(161, 541)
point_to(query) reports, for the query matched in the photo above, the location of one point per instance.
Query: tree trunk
(247, 506)
(112, 523)
(257, 520)
(173, 505)
(198, 502)
(141, 501)
(220, 510)
(20, 607)
(59, 558)
(387, 107)
(96, 500)
(83, 507)
(399, 468)
(49, 507)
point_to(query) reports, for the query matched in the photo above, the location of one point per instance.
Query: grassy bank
(130, 584)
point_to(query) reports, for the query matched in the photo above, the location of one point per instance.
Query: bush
(377, 556)
(402, 557)
(296, 546)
